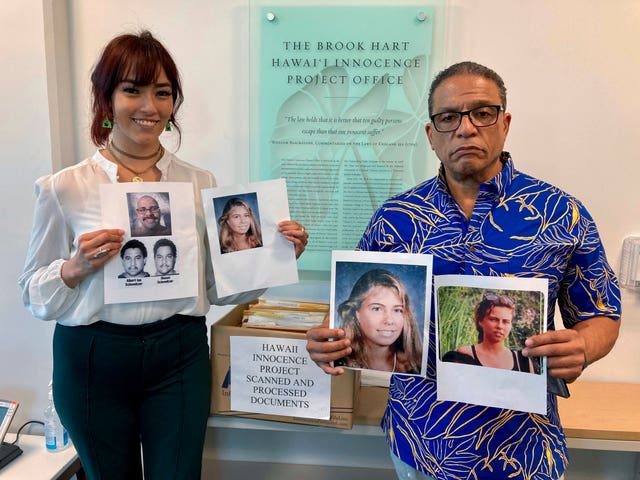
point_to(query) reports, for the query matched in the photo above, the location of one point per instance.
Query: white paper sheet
(479, 384)
(413, 271)
(276, 376)
(177, 225)
(271, 264)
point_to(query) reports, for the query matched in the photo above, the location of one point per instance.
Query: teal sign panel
(339, 107)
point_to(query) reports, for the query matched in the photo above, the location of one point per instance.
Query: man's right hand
(323, 351)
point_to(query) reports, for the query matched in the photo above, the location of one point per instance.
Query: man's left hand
(564, 349)
(568, 350)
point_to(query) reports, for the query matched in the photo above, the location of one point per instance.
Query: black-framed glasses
(152, 209)
(479, 117)
(503, 299)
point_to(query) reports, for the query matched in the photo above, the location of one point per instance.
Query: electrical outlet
(630, 266)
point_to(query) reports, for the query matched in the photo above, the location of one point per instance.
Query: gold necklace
(137, 176)
(137, 157)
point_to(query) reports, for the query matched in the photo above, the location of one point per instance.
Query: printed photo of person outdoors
(488, 327)
(381, 309)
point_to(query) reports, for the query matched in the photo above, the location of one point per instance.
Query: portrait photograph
(481, 326)
(238, 221)
(382, 301)
(247, 250)
(165, 257)
(158, 258)
(134, 255)
(487, 327)
(149, 214)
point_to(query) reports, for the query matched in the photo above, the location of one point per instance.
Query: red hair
(129, 56)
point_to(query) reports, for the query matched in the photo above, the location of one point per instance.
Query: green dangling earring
(106, 123)
(167, 127)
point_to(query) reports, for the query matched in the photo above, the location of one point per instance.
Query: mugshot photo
(149, 214)
(134, 259)
(238, 222)
(487, 327)
(381, 307)
(165, 256)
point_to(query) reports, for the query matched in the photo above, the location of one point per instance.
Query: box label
(276, 376)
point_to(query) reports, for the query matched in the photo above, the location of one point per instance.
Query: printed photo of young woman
(381, 306)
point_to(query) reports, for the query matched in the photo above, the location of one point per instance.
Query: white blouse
(68, 205)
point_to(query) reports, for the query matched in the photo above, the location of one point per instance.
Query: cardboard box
(370, 405)
(342, 387)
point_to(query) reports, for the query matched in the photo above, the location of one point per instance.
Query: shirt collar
(497, 184)
(502, 180)
(163, 164)
(111, 169)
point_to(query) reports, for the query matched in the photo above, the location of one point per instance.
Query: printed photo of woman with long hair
(238, 226)
(378, 317)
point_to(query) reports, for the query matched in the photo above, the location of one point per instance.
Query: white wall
(25, 343)
(571, 70)
(209, 40)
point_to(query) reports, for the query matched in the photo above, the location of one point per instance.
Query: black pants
(119, 387)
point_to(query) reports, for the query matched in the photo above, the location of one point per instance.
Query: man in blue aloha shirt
(481, 216)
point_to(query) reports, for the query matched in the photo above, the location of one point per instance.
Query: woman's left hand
(296, 233)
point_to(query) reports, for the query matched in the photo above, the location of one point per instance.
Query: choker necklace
(137, 157)
(137, 176)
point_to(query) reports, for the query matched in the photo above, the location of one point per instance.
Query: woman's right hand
(323, 351)
(94, 250)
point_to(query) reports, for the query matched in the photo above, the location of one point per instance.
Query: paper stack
(284, 314)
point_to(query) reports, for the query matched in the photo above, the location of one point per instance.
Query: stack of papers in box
(284, 314)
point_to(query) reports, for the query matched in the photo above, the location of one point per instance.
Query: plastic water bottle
(56, 436)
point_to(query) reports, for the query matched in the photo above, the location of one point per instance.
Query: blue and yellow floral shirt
(520, 226)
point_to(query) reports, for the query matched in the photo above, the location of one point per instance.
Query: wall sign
(339, 105)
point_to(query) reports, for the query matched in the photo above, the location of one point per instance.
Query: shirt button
(472, 248)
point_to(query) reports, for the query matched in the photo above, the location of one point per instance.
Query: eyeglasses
(479, 117)
(153, 209)
(492, 297)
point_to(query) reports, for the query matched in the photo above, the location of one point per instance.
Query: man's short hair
(468, 68)
(165, 242)
(147, 195)
(133, 243)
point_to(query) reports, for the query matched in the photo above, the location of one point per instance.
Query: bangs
(141, 68)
